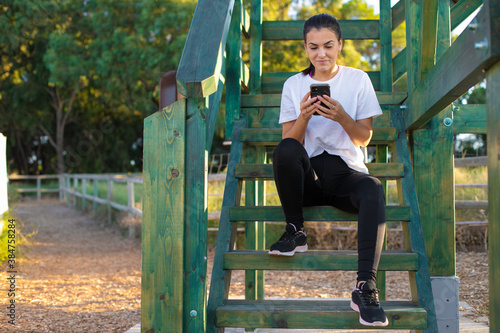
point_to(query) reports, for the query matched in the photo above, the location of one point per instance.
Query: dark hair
(318, 22)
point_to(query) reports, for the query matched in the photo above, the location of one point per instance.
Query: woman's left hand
(334, 110)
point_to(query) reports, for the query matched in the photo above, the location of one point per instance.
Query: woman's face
(322, 46)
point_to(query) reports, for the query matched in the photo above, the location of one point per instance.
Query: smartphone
(320, 89)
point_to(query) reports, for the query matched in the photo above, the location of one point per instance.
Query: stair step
(317, 261)
(383, 171)
(274, 100)
(314, 314)
(315, 213)
(272, 136)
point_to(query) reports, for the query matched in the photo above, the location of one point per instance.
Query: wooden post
(130, 204)
(61, 187)
(84, 193)
(110, 197)
(162, 295)
(38, 188)
(195, 217)
(433, 171)
(75, 185)
(96, 195)
(493, 137)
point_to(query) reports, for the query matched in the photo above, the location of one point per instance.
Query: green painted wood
(432, 164)
(429, 35)
(493, 114)
(233, 71)
(271, 136)
(256, 48)
(220, 280)
(382, 157)
(214, 102)
(316, 261)
(245, 21)
(385, 46)
(462, 10)
(272, 83)
(195, 220)
(312, 314)
(274, 100)
(399, 65)
(470, 118)
(201, 62)
(412, 13)
(398, 14)
(416, 237)
(493, 141)
(265, 171)
(163, 220)
(316, 213)
(292, 30)
(445, 83)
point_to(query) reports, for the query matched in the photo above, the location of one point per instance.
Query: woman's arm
(296, 129)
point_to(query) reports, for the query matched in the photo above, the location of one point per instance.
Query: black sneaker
(366, 302)
(291, 241)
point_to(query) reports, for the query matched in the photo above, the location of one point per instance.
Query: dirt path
(79, 276)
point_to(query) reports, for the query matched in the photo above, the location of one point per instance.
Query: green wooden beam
(273, 82)
(413, 44)
(235, 69)
(398, 14)
(493, 114)
(163, 220)
(195, 217)
(385, 46)
(245, 21)
(463, 65)
(429, 35)
(399, 65)
(201, 62)
(470, 118)
(462, 10)
(292, 30)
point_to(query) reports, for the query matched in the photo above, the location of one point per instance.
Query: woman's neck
(325, 76)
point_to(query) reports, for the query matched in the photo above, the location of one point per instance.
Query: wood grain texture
(313, 314)
(163, 220)
(201, 62)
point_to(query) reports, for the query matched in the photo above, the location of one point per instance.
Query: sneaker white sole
(355, 307)
(302, 248)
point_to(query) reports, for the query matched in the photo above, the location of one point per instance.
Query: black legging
(327, 180)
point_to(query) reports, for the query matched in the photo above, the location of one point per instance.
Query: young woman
(319, 160)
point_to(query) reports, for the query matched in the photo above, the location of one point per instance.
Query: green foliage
(68, 67)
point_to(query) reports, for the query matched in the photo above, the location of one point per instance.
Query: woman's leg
(358, 192)
(295, 180)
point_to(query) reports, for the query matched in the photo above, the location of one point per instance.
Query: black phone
(320, 89)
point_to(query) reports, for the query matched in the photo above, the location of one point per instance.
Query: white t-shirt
(353, 89)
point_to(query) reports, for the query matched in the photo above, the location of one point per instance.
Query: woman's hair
(318, 22)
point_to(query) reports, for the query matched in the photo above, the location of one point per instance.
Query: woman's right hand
(307, 107)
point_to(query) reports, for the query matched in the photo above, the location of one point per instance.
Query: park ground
(80, 275)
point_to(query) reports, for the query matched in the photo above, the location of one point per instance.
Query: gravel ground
(80, 276)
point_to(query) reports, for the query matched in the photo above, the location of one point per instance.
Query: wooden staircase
(252, 118)
(258, 129)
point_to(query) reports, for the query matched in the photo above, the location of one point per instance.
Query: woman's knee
(371, 187)
(288, 150)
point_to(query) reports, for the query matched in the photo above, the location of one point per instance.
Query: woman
(319, 160)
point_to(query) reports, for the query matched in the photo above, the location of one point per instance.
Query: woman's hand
(359, 131)
(334, 110)
(307, 106)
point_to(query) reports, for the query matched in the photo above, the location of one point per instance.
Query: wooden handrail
(201, 62)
